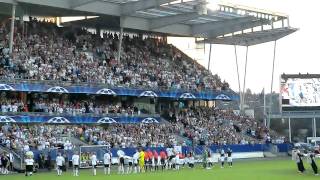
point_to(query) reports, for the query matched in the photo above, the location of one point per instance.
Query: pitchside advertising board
(300, 90)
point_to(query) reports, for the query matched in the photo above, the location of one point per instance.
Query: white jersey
(191, 160)
(11, 157)
(169, 152)
(75, 159)
(107, 158)
(60, 161)
(177, 159)
(136, 157)
(29, 162)
(222, 153)
(129, 159)
(222, 158)
(94, 160)
(120, 153)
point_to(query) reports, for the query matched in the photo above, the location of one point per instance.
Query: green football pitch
(247, 170)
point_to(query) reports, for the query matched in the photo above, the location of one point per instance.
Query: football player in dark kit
(229, 158)
(312, 162)
(297, 156)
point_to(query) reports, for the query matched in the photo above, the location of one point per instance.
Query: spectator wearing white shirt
(67, 145)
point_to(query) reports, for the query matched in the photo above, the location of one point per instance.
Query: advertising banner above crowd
(61, 119)
(176, 94)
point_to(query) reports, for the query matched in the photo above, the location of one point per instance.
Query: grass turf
(247, 170)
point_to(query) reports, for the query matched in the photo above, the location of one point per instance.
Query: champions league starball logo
(223, 97)
(106, 92)
(148, 94)
(187, 96)
(58, 89)
(106, 120)
(6, 119)
(6, 87)
(58, 120)
(149, 120)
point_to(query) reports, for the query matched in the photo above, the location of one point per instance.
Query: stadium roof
(171, 17)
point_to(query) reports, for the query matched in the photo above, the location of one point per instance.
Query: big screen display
(300, 91)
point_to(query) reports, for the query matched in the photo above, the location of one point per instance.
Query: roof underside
(182, 18)
(251, 38)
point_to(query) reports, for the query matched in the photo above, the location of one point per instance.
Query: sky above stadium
(296, 53)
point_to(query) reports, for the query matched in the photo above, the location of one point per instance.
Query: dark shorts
(121, 161)
(29, 168)
(150, 162)
(135, 164)
(76, 166)
(107, 165)
(162, 161)
(130, 163)
(171, 157)
(60, 167)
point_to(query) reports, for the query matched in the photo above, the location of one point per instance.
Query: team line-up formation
(141, 161)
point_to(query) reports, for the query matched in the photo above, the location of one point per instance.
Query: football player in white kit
(29, 165)
(191, 160)
(222, 158)
(177, 161)
(121, 156)
(129, 161)
(107, 162)
(135, 161)
(94, 160)
(170, 156)
(59, 162)
(75, 163)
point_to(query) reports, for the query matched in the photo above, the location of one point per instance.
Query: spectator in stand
(207, 126)
(46, 53)
(70, 107)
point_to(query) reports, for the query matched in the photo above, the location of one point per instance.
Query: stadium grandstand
(111, 80)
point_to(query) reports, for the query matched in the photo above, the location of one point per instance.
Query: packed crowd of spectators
(76, 107)
(204, 125)
(42, 137)
(201, 126)
(214, 130)
(48, 52)
(131, 135)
